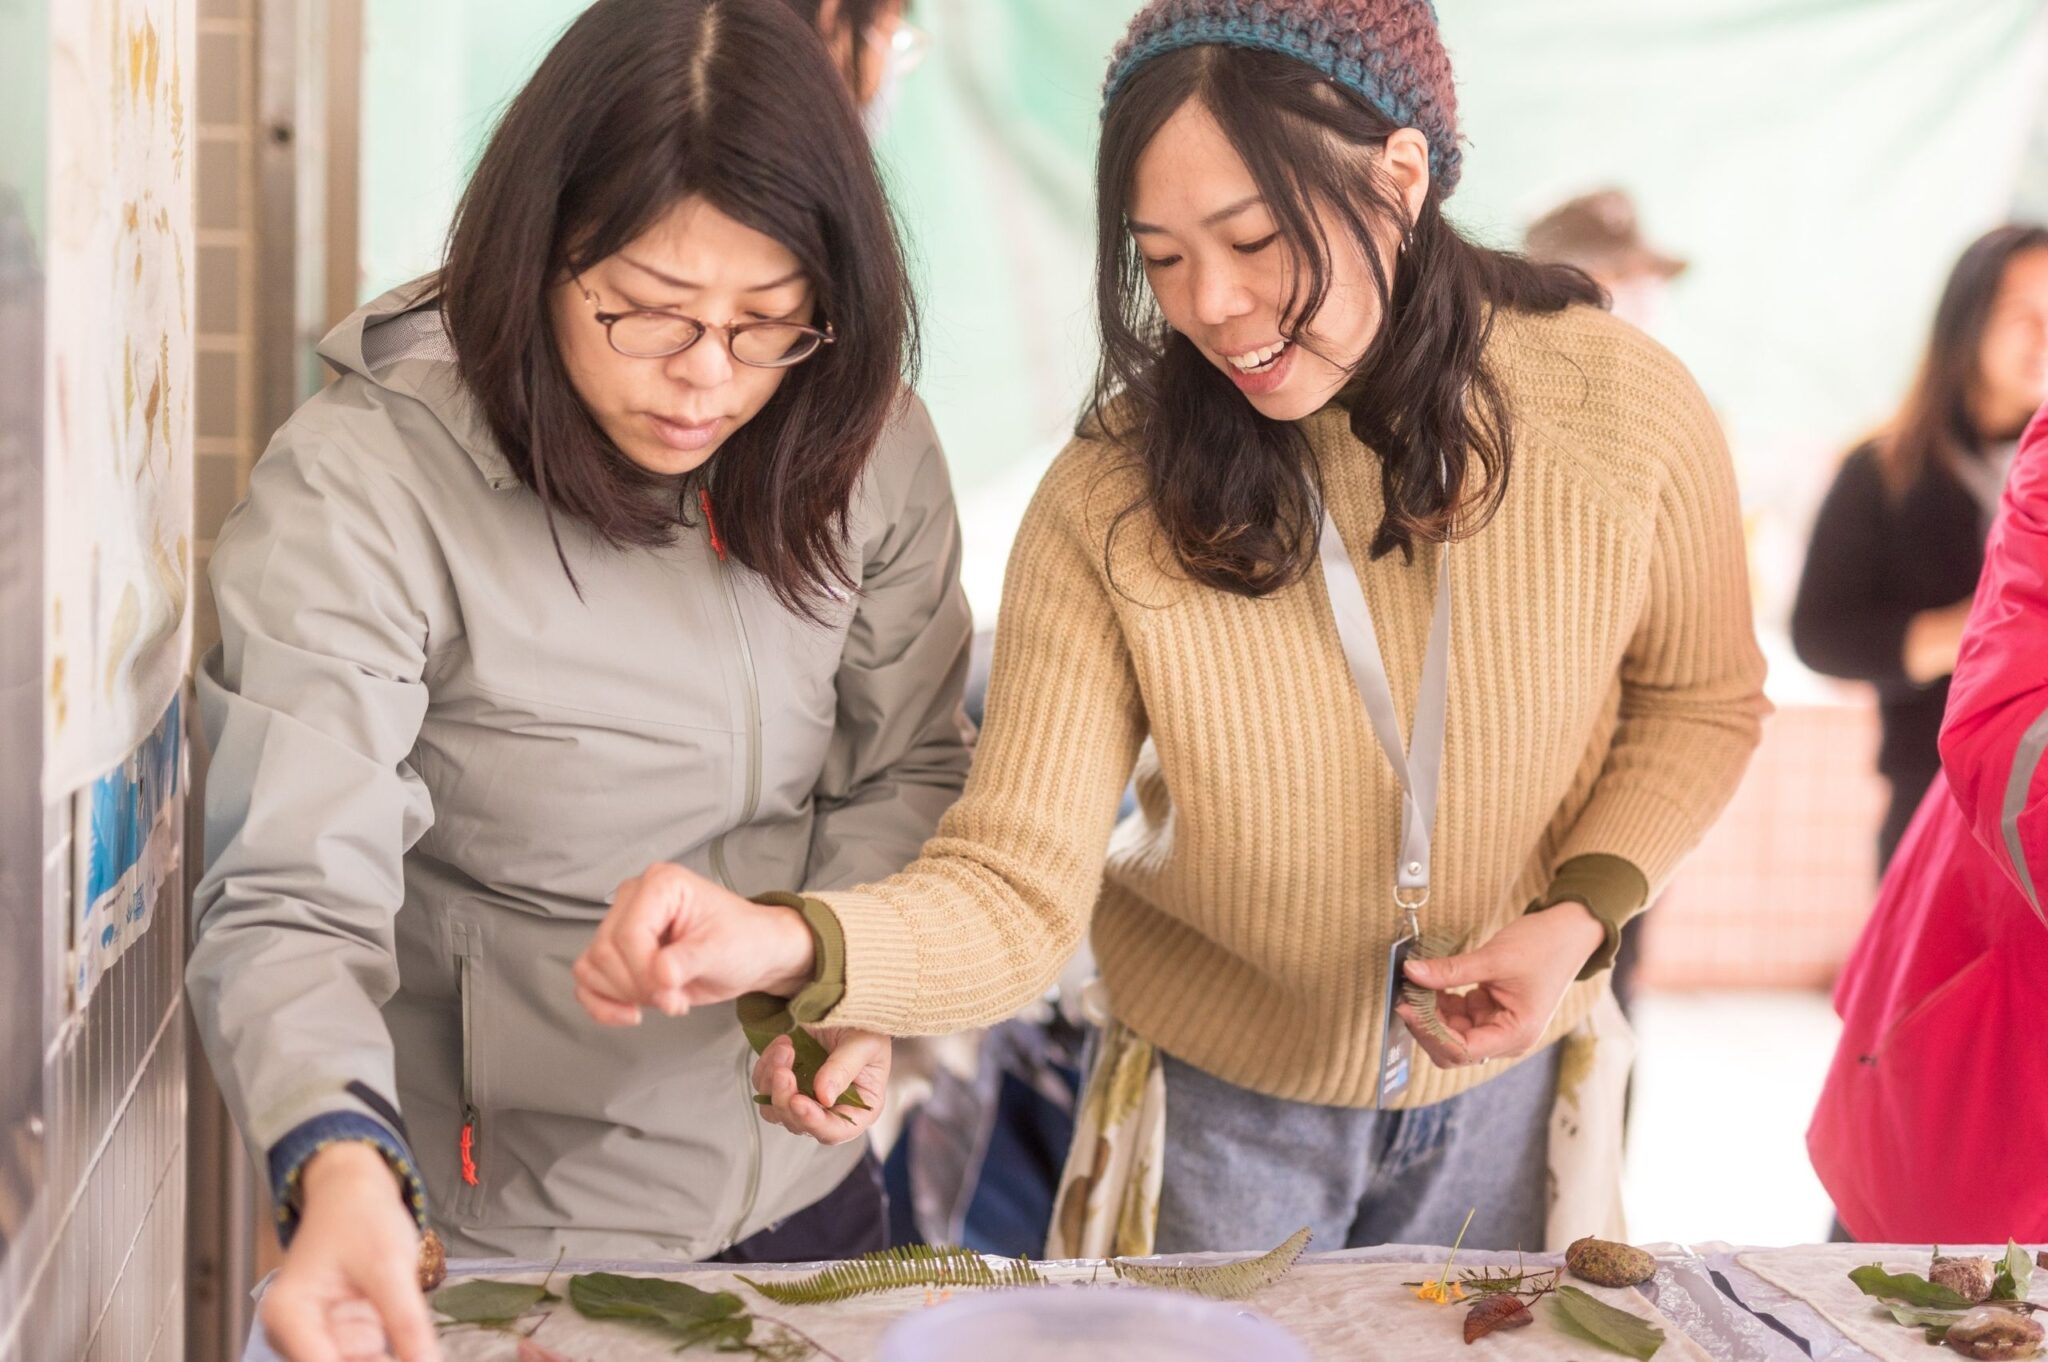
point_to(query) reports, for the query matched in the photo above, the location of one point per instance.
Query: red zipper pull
(469, 1147)
(711, 524)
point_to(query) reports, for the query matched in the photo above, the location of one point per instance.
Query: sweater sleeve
(1692, 701)
(1841, 623)
(981, 923)
(1996, 732)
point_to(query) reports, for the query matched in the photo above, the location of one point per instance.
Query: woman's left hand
(858, 1060)
(1517, 980)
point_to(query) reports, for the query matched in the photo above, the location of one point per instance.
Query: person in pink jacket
(1932, 1127)
(1997, 725)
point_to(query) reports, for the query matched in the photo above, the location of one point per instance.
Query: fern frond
(1220, 1281)
(917, 1265)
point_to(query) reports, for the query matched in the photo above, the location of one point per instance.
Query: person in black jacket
(1900, 537)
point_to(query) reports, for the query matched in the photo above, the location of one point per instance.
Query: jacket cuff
(1613, 890)
(290, 1155)
(828, 946)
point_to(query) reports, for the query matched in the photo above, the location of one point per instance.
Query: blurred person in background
(1598, 233)
(1315, 394)
(1932, 1126)
(1899, 540)
(875, 46)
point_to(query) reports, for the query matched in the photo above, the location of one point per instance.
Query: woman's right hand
(674, 940)
(349, 1288)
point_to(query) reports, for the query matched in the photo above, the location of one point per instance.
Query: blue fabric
(289, 1155)
(1244, 1171)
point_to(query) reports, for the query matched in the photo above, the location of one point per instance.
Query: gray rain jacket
(432, 763)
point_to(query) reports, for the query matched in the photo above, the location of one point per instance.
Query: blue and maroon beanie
(1387, 52)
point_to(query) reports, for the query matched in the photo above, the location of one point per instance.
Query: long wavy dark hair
(641, 104)
(1238, 496)
(1935, 426)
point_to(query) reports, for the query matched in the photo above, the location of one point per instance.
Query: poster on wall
(118, 380)
(126, 840)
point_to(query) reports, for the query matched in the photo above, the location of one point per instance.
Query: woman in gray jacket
(617, 541)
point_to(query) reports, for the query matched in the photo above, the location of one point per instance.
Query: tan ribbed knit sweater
(1606, 694)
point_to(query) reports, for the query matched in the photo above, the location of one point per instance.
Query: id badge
(1397, 1042)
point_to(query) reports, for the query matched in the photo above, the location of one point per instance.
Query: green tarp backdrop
(1820, 163)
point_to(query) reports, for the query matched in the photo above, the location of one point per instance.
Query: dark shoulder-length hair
(1238, 496)
(1935, 427)
(643, 103)
(856, 19)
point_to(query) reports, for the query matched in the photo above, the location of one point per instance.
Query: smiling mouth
(1261, 360)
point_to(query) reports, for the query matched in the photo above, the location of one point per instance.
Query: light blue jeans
(1244, 1171)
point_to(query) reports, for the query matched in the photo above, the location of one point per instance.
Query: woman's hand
(858, 1060)
(350, 1280)
(673, 940)
(1518, 978)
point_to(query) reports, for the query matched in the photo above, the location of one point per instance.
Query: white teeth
(1253, 360)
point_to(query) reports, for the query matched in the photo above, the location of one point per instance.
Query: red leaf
(1495, 1312)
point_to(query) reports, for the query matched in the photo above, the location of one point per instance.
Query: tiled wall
(98, 1277)
(226, 443)
(1775, 896)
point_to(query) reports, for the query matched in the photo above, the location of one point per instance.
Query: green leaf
(488, 1302)
(1935, 1322)
(2015, 1274)
(686, 1315)
(1222, 1281)
(1907, 1288)
(1596, 1322)
(917, 1265)
(763, 1017)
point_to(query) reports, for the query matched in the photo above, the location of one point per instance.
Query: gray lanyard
(1419, 764)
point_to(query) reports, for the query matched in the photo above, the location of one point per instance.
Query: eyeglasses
(650, 334)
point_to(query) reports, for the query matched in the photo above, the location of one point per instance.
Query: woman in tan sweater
(1314, 392)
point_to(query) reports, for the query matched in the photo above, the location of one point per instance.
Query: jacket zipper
(748, 806)
(754, 1162)
(752, 690)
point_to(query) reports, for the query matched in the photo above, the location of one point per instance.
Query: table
(1344, 1305)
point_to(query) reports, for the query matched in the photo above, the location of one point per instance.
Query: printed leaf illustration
(1595, 1321)
(763, 1017)
(1221, 1281)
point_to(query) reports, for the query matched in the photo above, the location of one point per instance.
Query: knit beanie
(1388, 52)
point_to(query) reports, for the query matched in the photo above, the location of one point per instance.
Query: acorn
(1969, 1278)
(1989, 1332)
(433, 1265)
(1605, 1263)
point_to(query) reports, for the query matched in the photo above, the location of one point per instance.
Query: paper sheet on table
(1345, 1312)
(1819, 1275)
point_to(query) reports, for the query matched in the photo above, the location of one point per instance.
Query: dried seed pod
(1489, 1313)
(1606, 1263)
(1990, 1332)
(433, 1266)
(1969, 1278)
